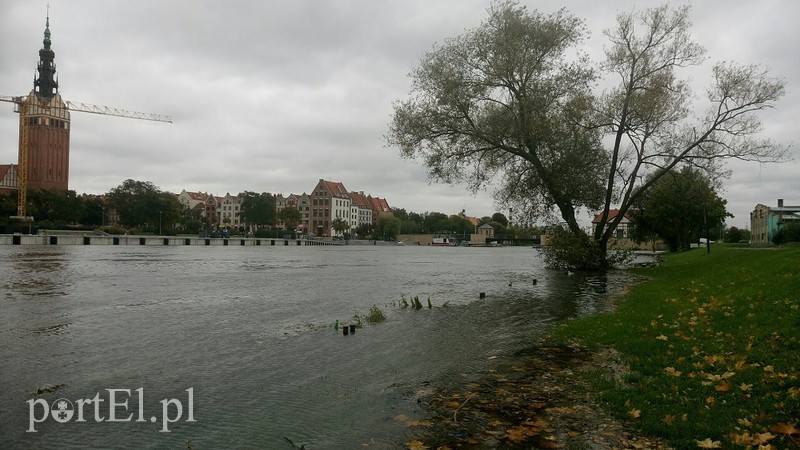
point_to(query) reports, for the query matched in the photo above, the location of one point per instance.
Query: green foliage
(94, 210)
(790, 232)
(375, 315)
(570, 251)
(499, 229)
(461, 225)
(509, 103)
(711, 344)
(340, 225)
(388, 227)
(500, 218)
(416, 303)
(733, 235)
(112, 229)
(364, 230)
(290, 217)
(679, 207)
(56, 207)
(141, 204)
(258, 209)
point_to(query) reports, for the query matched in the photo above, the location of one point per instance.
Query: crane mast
(22, 106)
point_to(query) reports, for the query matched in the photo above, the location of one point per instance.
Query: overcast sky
(270, 96)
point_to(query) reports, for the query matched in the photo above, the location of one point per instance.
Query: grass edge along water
(711, 344)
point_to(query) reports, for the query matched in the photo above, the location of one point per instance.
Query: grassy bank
(712, 348)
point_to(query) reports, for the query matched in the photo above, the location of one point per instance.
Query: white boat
(443, 241)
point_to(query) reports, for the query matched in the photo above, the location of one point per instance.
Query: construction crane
(23, 106)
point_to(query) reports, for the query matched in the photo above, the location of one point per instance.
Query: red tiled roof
(197, 195)
(336, 188)
(380, 204)
(612, 214)
(359, 199)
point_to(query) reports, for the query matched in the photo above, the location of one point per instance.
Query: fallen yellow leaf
(784, 428)
(416, 445)
(672, 371)
(635, 413)
(519, 434)
(762, 438)
(745, 422)
(708, 443)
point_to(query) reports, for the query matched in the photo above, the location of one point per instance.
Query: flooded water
(104, 346)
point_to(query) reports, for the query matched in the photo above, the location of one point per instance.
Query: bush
(112, 229)
(568, 251)
(788, 233)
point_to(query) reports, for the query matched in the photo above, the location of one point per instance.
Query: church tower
(48, 125)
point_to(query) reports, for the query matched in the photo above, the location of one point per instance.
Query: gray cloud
(271, 96)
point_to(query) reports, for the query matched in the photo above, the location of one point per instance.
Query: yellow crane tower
(45, 100)
(24, 104)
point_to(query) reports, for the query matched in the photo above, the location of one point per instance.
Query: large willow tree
(512, 102)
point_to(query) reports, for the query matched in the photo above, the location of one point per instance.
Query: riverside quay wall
(55, 239)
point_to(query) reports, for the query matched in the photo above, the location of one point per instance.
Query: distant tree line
(457, 225)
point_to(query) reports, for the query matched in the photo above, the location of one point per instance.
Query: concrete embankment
(92, 239)
(103, 239)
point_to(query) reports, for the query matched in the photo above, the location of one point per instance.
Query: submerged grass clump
(416, 303)
(375, 315)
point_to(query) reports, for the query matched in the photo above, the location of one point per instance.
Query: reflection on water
(37, 274)
(250, 329)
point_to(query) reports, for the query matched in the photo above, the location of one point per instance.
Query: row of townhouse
(328, 201)
(221, 211)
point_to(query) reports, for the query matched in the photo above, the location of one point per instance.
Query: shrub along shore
(705, 354)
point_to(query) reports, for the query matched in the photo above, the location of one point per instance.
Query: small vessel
(443, 240)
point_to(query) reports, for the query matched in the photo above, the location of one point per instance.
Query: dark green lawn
(713, 346)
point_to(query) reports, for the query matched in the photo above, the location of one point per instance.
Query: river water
(241, 340)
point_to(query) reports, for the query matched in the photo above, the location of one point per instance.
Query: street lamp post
(159, 223)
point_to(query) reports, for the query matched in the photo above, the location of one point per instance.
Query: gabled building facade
(623, 229)
(304, 206)
(329, 201)
(380, 207)
(8, 179)
(360, 210)
(229, 211)
(281, 202)
(189, 199)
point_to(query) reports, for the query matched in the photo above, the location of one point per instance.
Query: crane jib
(22, 165)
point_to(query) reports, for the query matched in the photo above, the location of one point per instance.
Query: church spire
(45, 84)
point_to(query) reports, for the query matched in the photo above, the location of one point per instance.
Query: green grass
(712, 342)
